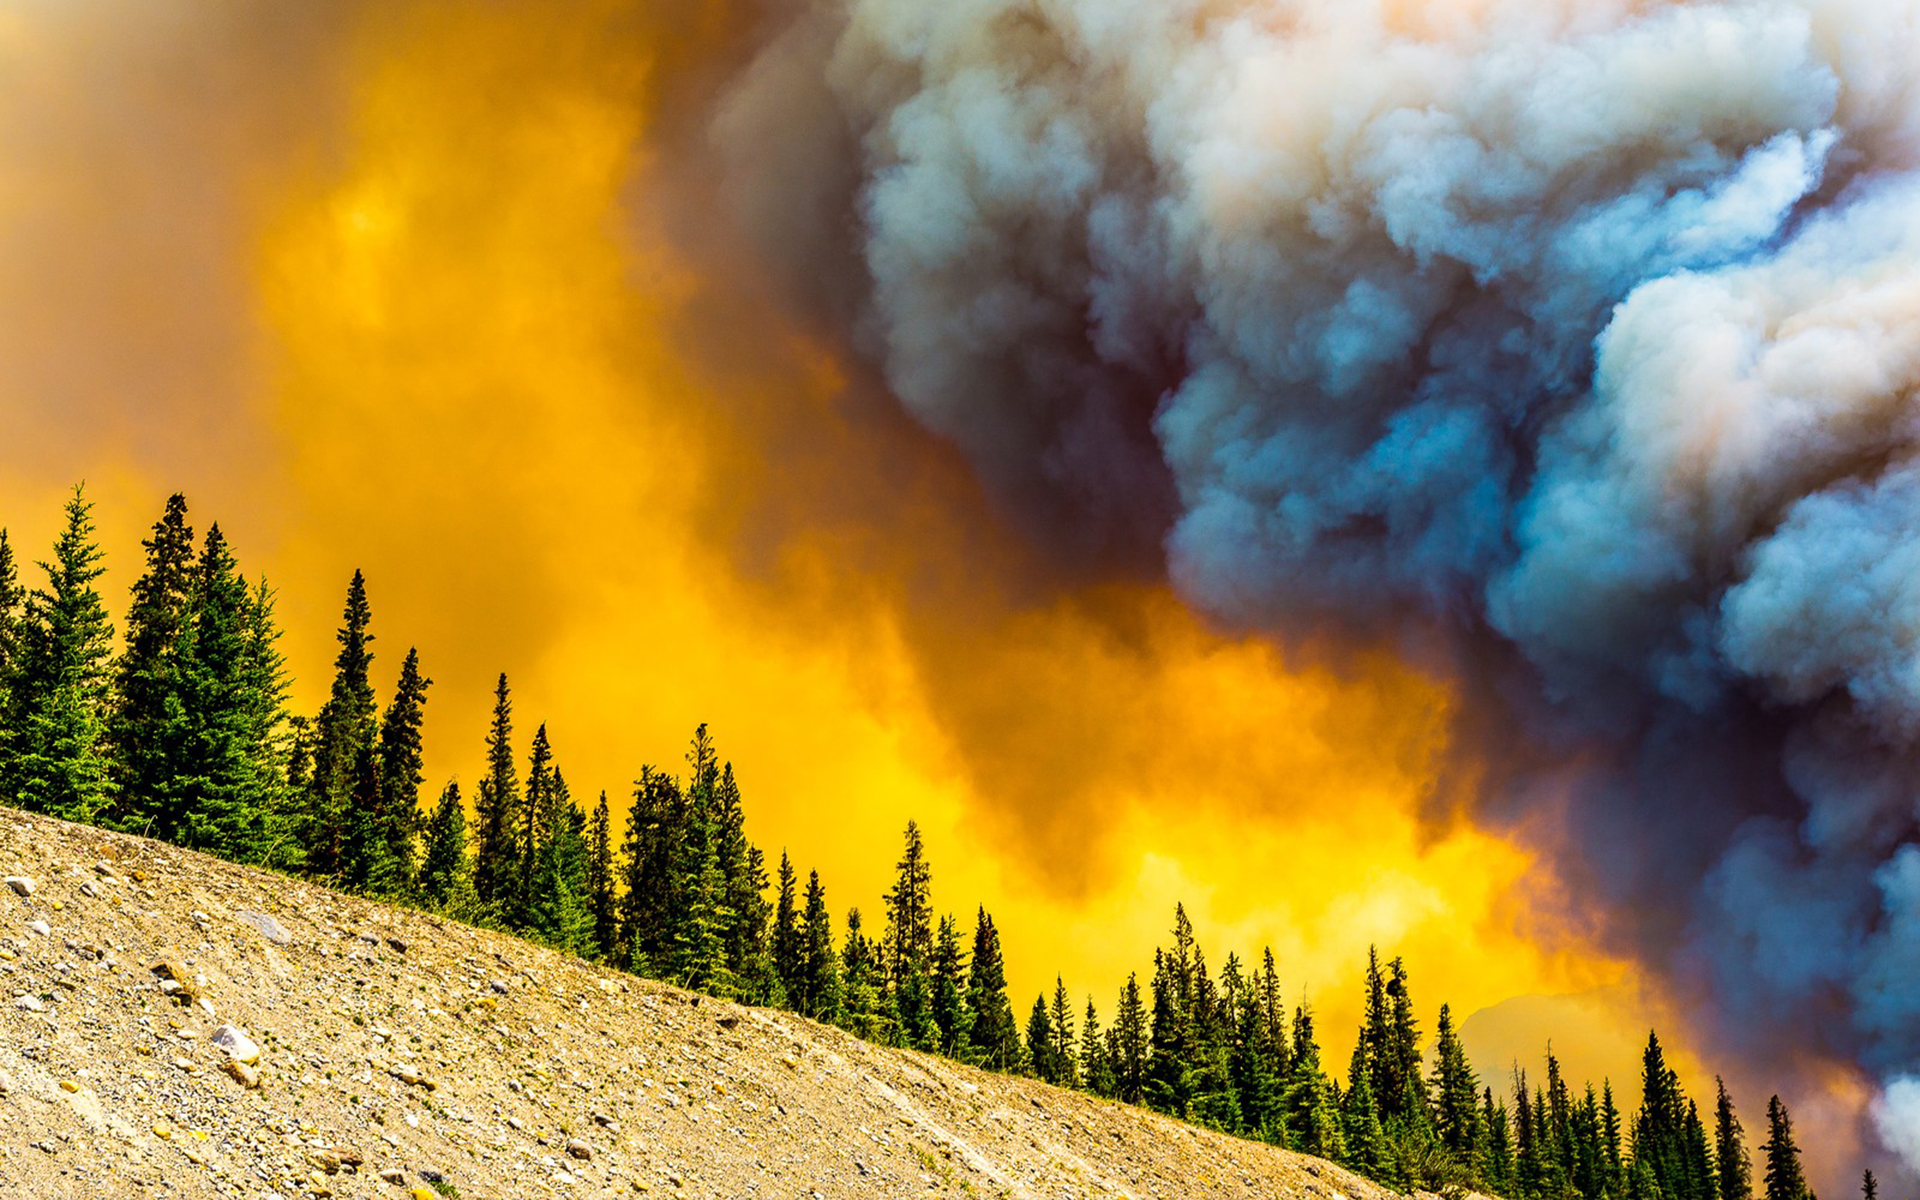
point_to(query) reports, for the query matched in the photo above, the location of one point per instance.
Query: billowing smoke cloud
(1584, 334)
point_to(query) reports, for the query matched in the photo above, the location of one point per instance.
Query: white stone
(20, 884)
(236, 1043)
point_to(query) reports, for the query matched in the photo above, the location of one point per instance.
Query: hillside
(400, 1054)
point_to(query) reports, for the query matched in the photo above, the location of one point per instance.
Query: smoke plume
(1578, 340)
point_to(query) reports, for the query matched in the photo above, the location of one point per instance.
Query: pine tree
(743, 872)
(1129, 1048)
(1040, 1042)
(363, 835)
(1614, 1160)
(401, 774)
(344, 727)
(600, 897)
(1869, 1186)
(1096, 1066)
(1170, 1058)
(820, 996)
(496, 851)
(1456, 1092)
(1313, 1115)
(147, 728)
(1060, 1051)
(651, 855)
(1402, 1098)
(58, 761)
(219, 796)
(444, 859)
(531, 824)
(1784, 1178)
(11, 648)
(862, 984)
(789, 940)
(1734, 1180)
(951, 1017)
(1367, 1151)
(268, 735)
(558, 908)
(996, 1041)
(698, 919)
(1497, 1169)
(909, 939)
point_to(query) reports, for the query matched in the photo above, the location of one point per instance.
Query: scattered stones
(499, 986)
(20, 884)
(41, 928)
(409, 1074)
(267, 927)
(242, 1073)
(236, 1043)
(29, 1004)
(393, 1175)
(580, 1150)
(515, 1123)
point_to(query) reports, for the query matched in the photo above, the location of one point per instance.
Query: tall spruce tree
(1040, 1042)
(600, 872)
(862, 984)
(1313, 1110)
(1784, 1178)
(1734, 1179)
(996, 1040)
(1456, 1092)
(444, 859)
(402, 772)
(538, 807)
(909, 937)
(59, 761)
(1128, 1048)
(12, 646)
(1869, 1186)
(1367, 1151)
(820, 997)
(789, 939)
(147, 728)
(743, 887)
(269, 734)
(952, 1019)
(1061, 1049)
(1096, 1065)
(558, 908)
(496, 850)
(343, 729)
(221, 797)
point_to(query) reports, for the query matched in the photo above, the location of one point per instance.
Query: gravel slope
(460, 1062)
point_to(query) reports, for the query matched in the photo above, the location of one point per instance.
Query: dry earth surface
(400, 1055)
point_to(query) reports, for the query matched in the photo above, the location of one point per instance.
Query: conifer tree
(1260, 1057)
(1367, 1151)
(58, 761)
(789, 939)
(268, 734)
(446, 848)
(496, 851)
(600, 881)
(909, 939)
(913, 1009)
(362, 839)
(1061, 1049)
(1611, 1150)
(1170, 1060)
(698, 919)
(1128, 1052)
(861, 986)
(951, 1017)
(1701, 1182)
(1869, 1186)
(743, 872)
(401, 774)
(652, 858)
(820, 997)
(344, 727)
(531, 824)
(996, 1041)
(1040, 1042)
(1096, 1066)
(11, 597)
(1734, 1179)
(1497, 1168)
(1313, 1114)
(558, 906)
(147, 726)
(1784, 1178)
(1455, 1090)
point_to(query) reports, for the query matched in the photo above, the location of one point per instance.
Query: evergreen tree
(362, 839)
(269, 735)
(1869, 1186)
(496, 850)
(698, 918)
(862, 984)
(401, 774)
(951, 1017)
(344, 727)
(1061, 1050)
(147, 727)
(1170, 1059)
(1313, 1113)
(1784, 1178)
(1700, 1177)
(1367, 1151)
(909, 940)
(558, 904)
(12, 646)
(58, 761)
(1040, 1043)
(1128, 1051)
(996, 1041)
(820, 995)
(1096, 1066)
(1456, 1092)
(531, 824)
(743, 873)
(1614, 1159)
(1260, 1057)
(789, 940)
(600, 897)
(1735, 1167)
(446, 849)
(1496, 1171)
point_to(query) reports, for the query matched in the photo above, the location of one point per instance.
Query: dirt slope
(463, 1062)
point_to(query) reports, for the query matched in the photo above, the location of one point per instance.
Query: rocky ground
(176, 1026)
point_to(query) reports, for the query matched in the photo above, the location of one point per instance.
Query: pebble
(20, 884)
(29, 1004)
(580, 1150)
(242, 1073)
(162, 1130)
(268, 928)
(394, 1176)
(236, 1043)
(41, 928)
(68, 1085)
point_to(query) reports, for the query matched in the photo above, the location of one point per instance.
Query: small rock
(515, 1123)
(268, 928)
(500, 986)
(242, 1074)
(423, 1193)
(29, 1004)
(408, 1073)
(580, 1150)
(103, 870)
(393, 1175)
(399, 947)
(68, 1085)
(40, 927)
(349, 1157)
(87, 888)
(20, 884)
(162, 1130)
(236, 1043)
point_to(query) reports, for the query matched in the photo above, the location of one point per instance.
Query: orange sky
(411, 289)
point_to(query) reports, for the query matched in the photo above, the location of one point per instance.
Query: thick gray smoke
(1586, 331)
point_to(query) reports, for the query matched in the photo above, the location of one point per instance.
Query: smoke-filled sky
(1430, 473)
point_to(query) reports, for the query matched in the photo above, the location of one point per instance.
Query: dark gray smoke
(1587, 333)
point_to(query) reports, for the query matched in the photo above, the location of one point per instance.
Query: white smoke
(1587, 330)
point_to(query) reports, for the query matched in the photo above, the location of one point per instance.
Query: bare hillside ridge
(400, 1055)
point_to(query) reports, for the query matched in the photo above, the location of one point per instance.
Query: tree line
(183, 731)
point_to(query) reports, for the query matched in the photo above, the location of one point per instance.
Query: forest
(181, 728)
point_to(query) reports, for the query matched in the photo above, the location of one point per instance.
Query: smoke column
(1574, 345)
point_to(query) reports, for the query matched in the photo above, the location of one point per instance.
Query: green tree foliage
(1734, 1176)
(402, 755)
(58, 760)
(909, 937)
(1784, 1178)
(1096, 1064)
(996, 1041)
(147, 727)
(789, 939)
(1040, 1042)
(1456, 1092)
(344, 728)
(862, 984)
(819, 996)
(1127, 1048)
(559, 908)
(496, 851)
(1060, 1047)
(600, 881)
(444, 861)
(952, 1018)
(743, 897)
(1313, 1113)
